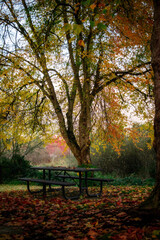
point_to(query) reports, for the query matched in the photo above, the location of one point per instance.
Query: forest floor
(25, 217)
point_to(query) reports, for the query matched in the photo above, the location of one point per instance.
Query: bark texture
(153, 202)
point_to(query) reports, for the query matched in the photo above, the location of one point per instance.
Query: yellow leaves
(17, 109)
(89, 225)
(150, 145)
(137, 218)
(75, 28)
(112, 44)
(72, 39)
(156, 234)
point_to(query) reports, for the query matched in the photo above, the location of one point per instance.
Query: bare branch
(118, 76)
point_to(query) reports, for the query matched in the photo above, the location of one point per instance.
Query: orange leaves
(112, 129)
(86, 219)
(93, 6)
(99, 5)
(92, 234)
(137, 23)
(81, 43)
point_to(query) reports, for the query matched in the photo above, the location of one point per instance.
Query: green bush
(130, 180)
(13, 168)
(105, 159)
(138, 160)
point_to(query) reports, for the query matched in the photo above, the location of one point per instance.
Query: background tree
(21, 111)
(72, 51)
(136, 158)
(152, 204)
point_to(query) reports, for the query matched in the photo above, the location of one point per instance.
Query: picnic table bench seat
(100, 180)
(47, 182)
(88, 178)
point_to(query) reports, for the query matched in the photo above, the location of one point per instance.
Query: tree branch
(70, 48)
(119, 75)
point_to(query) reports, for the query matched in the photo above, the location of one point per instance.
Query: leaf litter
(25, 217)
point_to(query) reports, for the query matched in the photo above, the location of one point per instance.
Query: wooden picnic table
(64, 173)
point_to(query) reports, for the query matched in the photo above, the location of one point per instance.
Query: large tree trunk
(84, 138)
(79, 147)
(80, 151)
(153, 202)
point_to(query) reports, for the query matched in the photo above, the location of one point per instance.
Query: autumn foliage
(72, 67)
(26, 217)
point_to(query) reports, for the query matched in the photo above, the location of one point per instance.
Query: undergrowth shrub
(13, 168)
(135, 160)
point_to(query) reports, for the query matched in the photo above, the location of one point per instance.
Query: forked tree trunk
(153, 202)
(80, 151)
(80, 147)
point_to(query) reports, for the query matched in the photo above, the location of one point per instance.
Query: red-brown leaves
(56, 218)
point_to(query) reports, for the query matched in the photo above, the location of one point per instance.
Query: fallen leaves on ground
(25, 217)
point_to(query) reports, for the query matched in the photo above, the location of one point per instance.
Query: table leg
(86, 187)
(49, 177)
(44, 185)
(80, 183)
(28, 188)
(80, 189)
(49, 174)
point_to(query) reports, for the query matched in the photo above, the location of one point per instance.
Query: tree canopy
(75, 64)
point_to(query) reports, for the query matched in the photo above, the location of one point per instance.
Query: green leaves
(86, 2)
(92, 23)
(101, 26)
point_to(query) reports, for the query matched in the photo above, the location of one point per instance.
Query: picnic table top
(71, 169)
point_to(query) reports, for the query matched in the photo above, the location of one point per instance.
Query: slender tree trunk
(153, 202)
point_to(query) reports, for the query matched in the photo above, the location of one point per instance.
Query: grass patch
(11, 187)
